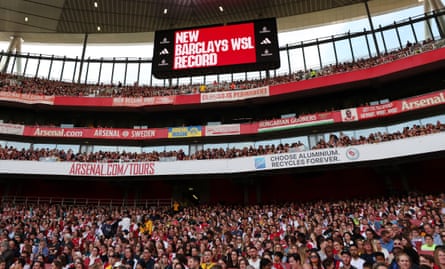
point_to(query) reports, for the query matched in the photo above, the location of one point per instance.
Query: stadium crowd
(37, 86)
(46, 154)
(382, 233)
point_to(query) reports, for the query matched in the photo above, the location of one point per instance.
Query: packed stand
(383, 233)
(46, 154)
(37, 86)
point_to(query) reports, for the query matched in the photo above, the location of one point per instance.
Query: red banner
(365, 75)
(398, 106)
(345, 115)
(143, 101)
(214, 46)
(419, 61)
(370, 112)
(26, 98)
(99, 133)
(426, 100)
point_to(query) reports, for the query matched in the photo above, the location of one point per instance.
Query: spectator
(439, 257)
(194, 262)
(404, 261)
(386, 241)
(429, 243)
(147, 261)
(356, 261)
(294, 261)
(426, 259)
(314, 261)
(346, 260)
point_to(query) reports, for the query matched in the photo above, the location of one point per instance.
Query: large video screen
(239, 47)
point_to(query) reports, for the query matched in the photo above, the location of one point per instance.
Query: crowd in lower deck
(319, 234)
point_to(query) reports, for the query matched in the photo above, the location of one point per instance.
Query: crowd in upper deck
(380, 233)
(38, 86)
(341, 140)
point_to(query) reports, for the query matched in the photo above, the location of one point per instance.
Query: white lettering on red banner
(107, 133)
(383, 110)
(57, 132)
(214, 46)
(142, 101)
(143, 133)
(423, 101)
(26, 98)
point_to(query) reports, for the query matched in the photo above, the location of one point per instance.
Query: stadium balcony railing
(82, 201)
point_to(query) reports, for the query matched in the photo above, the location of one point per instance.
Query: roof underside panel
(128, 16)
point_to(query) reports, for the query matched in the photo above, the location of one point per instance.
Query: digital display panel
(239, 47)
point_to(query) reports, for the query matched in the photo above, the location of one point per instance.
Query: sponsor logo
(164, 52)
(352, 154)
(264, 30)
(164, 41)
(58, 132)
(260, 163)
(423, 102)
(163, 63)
(266, 53)
(266, 41)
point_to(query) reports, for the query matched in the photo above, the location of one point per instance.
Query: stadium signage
(423, 101)
(142, 101)
(226, 129)
(26, 98)
(294, 122)
(57, 132)
(235, 95)
(107, 133)
(312, 158)
(193, 50)
(103, 133)
(305, 158)
(369, 112)
(237, 47)
(112, 169)
(178, 132)
(363, 113)
(12, 129)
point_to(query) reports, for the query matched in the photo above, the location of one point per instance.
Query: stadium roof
(36, 18)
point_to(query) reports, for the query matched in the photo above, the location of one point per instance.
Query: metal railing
(298, 56)
(82, 201)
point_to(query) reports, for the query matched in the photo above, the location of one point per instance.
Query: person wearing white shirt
(356, 261)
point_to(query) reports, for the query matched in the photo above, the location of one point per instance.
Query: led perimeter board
(238, 47)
